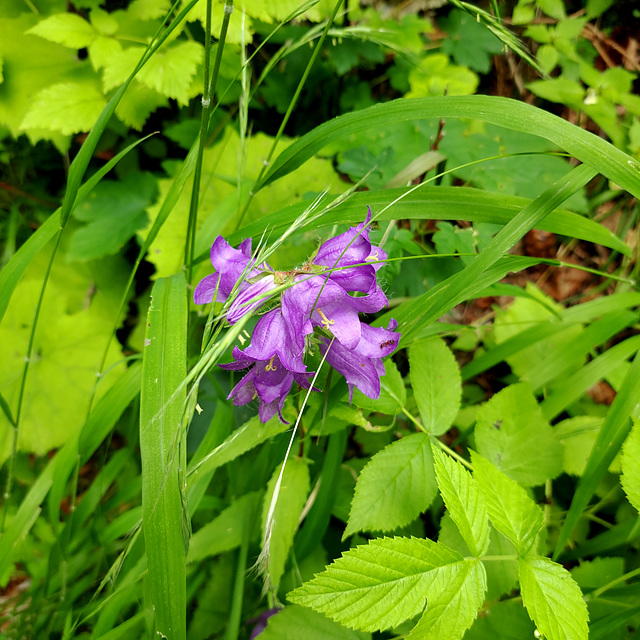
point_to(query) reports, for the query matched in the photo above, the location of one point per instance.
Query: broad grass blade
(162, 447)
(504, 112)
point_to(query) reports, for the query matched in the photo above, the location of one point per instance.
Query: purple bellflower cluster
(319, 304)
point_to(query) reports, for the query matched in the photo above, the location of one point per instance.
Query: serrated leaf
(68, 107)
(380, 584)
(395, 487)
(299, 623)
(68, 29)
(171, 70)
(451, 611)
(553, 599)
(102, 50)
(630, 469)
(435, 379)
(292, 496)
(138, 103)
(512, 433)
(511, 510)
(464, 502)
(114, 211)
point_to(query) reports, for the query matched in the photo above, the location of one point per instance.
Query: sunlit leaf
(395, 487)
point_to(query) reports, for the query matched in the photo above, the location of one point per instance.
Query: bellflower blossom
(318, 308)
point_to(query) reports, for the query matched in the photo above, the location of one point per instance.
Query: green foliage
(511, 510)
(113, 213)
(435, 379)
(553, 599)
(281, 526)
(403, 468)
(464, 502)
(512, 433)
(630, 472)
(151, 513)
(383, 583)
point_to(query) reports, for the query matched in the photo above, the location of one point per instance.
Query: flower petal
(250, 298)
(360, 278)
(375, 301)
(245, 391)
(206, 289)
(350, 247)
(270, 338)
(358, 370)
(377, 342)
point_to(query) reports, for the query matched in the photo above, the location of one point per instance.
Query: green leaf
(511, 510)
(553, 599)
(163, 453)
(114, 211)
(225, 531)
(452, 611)
(243, 439)
(295, 622)
(67, 351)
(553, 8)
(434, 75)
(464, 502)
(612, 434)
(393, 394)
(380, 584)
(435, 379)
(518, 116)
(68, 107)
(171, 71)
(512, 434)
(502, 574)
(630, 469)
(507, 620)
(395, 487)
(291, 498)
(434, 203)
(68, 29)
(470, 43)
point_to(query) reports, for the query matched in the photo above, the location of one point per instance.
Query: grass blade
(504, 112)
(162, 444)
(420, 311)
(612, 434)
(431, 203)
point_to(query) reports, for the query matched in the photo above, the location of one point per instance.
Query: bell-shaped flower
(363, 366)
(273, 367)
(347, 255)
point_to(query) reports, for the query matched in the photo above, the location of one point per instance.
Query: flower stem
(209, 87)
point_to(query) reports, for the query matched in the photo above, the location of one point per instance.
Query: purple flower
(362, 366)
(346, 254)
(328, 293)
(273, 367)
(230, 265)
(261, 621)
